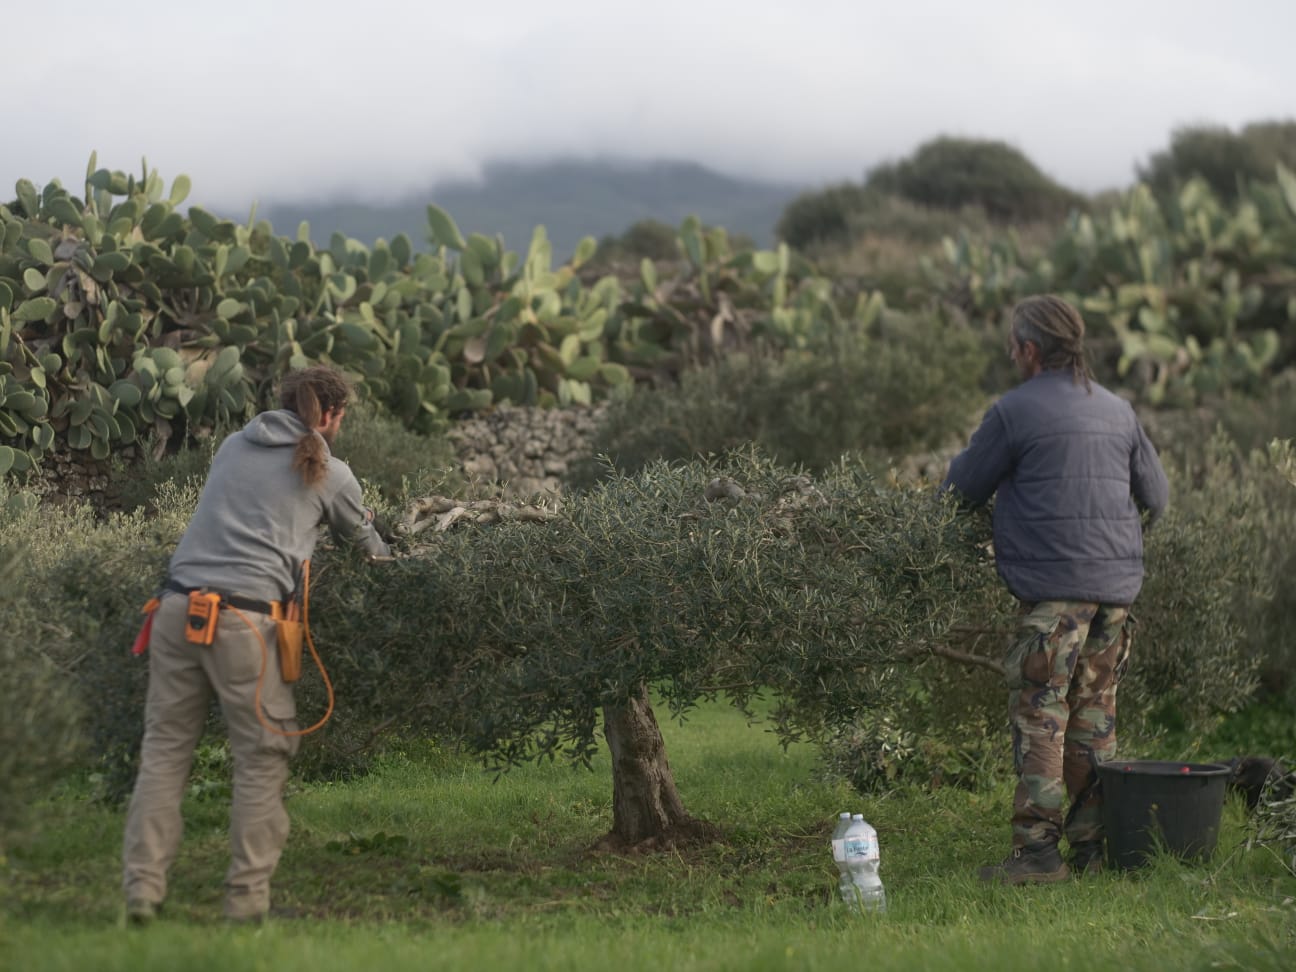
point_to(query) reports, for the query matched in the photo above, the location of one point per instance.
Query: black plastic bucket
(1148, 804)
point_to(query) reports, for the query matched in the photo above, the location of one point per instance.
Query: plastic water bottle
(839, 851)
(865, 889)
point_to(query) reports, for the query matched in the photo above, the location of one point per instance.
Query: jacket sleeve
(1148, 481)
(977, 471)
(349, 521)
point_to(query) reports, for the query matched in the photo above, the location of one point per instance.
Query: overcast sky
(284, 99)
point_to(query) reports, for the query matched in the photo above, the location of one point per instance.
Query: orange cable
(265, 659)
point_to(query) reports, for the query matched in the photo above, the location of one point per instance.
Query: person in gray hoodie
(270, 488)
(1075, 480)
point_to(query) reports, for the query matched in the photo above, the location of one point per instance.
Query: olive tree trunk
(647, 812)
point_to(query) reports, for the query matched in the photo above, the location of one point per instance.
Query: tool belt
(204, 610)
(292, 626)
(272, 608)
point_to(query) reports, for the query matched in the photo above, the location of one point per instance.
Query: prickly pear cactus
(123, 318)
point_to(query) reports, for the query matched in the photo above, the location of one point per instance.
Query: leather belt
(272, 608)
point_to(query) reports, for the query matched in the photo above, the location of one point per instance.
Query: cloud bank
(293, 100)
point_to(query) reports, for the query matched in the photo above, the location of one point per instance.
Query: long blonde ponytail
(310, 393)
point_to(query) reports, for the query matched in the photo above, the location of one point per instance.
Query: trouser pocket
(257, 703)
(1027, 660)
(278, 725)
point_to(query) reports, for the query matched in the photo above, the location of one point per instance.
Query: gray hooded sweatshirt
(1073, 468)
(256, 521)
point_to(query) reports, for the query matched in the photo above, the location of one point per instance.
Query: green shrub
(822, 216)
(953, 173)
(929, 739)
(891, 238)
(906, 385)
(39, 725)
(86, 577)
(1193, 440)
(135, 486)
(1210, 571)
(394, 459)
(379, 449)
(1254, 422)
(1225, 159)
(1276, 620)
(1222, 472)
(648, 238)
(900, 218)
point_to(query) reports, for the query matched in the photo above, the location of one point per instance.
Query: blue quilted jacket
(1073, 469)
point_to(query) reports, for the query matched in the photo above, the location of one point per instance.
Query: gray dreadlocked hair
(1057, 329)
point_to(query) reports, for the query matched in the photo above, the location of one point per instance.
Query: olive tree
(536, 635)
(693, 581)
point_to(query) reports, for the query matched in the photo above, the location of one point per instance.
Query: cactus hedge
(122, 318)
(1194, 297)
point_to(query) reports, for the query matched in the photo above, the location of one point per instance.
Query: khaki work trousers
(183, 678)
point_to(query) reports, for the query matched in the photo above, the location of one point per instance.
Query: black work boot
(1087, 857)
(1040, 864)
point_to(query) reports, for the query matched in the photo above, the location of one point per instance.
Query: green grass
(429, 864)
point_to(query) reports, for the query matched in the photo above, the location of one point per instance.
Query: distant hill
(571, 199)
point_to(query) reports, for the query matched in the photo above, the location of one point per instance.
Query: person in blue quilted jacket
(1075, 482)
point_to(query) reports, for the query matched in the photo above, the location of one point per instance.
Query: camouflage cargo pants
(1062, 673)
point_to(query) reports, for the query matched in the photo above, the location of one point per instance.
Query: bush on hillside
(890, 238)
(1272, 626)
(908, 384)
(1227, 160)
(900, 218)
(1274, 141)
(876, 239)
(822, 216)
(648, 238)
(953, 173)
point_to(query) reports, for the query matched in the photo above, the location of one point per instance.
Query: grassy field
(429, 864)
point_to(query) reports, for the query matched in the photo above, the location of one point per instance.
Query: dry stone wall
(524, 451)
(75, 477)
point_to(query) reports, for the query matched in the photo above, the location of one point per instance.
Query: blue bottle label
(861, 847)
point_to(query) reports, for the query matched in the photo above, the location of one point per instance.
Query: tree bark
(647, 812)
